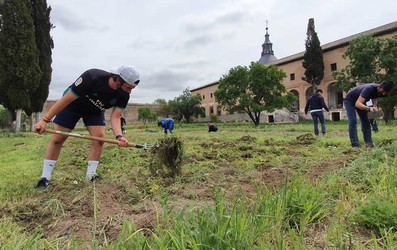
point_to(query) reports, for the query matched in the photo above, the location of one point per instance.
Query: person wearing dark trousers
(355, 105)
(212, 127)
(315, 104)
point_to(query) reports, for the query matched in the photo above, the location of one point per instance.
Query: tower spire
(267, 54)
(267, 46)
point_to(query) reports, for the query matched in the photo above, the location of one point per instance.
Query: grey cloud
(231, 18)
(68, 20)
(194, 27)
(198, 41)
(190, 65)
(210, 24)
(167, 80)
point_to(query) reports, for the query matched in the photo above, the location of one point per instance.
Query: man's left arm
(360, 104)
(324, 105)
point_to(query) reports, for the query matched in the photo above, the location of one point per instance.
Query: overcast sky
(179, 44)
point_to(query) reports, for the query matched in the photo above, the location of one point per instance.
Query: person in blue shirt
(315, 104)
(355, 102)
(167, 124)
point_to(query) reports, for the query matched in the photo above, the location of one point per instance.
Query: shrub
(377, 214)
(304, 202)
(214, 118)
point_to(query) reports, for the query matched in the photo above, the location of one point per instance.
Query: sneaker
(43, 184)
(369, 145)
(355, 145)
(93, 177)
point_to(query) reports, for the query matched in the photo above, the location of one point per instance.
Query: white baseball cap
(128, 74)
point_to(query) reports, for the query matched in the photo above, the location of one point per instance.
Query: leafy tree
(45, 44)
(362, 53)
(165, 108)
(19, 65)
(146, 114)
(371, 60)
(253, 89)
(160, 101)
(185, 106)
(313, 60)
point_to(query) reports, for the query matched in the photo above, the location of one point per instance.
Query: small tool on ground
(375, 114)
(95, 138)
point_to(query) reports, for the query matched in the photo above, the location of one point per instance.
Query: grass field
(270, 187)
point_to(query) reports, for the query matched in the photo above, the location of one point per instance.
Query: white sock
(91, 169)
(48, 166)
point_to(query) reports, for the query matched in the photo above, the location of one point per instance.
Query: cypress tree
(313, 60)
(44, 42)
(19, 64)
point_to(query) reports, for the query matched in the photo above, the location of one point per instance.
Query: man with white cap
(87, 98)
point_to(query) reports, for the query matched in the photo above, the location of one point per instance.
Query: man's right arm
(307, 106)
(54, 110)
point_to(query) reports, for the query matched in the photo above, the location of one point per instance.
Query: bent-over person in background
(355, 102)
(167, 124)
(212, 127)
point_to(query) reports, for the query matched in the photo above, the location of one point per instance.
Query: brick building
(292, 66)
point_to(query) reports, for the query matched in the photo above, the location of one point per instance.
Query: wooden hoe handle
(92, 138)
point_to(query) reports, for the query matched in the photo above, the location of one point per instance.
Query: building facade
(292, 66)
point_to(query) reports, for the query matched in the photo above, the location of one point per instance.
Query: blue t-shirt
(367, 90)
(167, 124)
(316, 102)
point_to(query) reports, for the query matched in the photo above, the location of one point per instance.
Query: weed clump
(166, 157)
(247, 138)
(305, 139)
(377, 214)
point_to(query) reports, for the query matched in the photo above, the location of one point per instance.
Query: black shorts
(69, 117)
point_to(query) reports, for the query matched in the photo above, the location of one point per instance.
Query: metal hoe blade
(144, 146)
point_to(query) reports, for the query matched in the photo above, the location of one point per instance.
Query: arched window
(295, 105)
(309, 92)
(335, 96)
(218, 110)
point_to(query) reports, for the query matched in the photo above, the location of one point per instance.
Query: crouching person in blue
(212, 127)
(167, 124)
